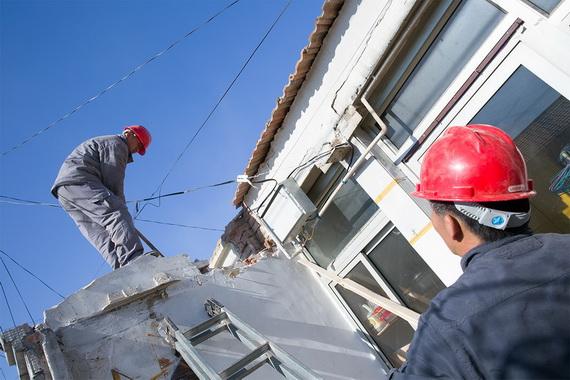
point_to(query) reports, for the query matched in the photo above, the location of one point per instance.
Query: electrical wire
(213, 110)
(8, 304)
(17, 290)
(275, 189)
(29, 202)
(32, 274)
(21, 203)
(180, 225)
(26, 202)
(124, 78)
(190, 190)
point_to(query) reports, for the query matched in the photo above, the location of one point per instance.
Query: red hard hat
(476, 163)
(143, 135)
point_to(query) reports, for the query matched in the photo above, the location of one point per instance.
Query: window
(538, 118)
(404, 107)
(545, 5)
(350, 209)
(390, 267)
(325, 183)
(392, 334)
(405, 271)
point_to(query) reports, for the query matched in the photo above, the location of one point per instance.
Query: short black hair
(487, 234)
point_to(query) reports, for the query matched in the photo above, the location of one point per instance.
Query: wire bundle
(561, 182)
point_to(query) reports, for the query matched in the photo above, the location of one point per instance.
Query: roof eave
(323, 23)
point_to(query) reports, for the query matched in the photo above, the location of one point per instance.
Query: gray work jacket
(506, 317)
(99, 161)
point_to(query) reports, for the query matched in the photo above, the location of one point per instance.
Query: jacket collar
(484, 248)
(130, 159)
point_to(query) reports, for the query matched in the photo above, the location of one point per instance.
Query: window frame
(362, 258)
(370, 228)
(519, 55)
(396, 154)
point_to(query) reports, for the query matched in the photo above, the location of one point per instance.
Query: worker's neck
(468, 242)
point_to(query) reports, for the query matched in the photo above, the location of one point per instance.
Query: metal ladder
(263, 350)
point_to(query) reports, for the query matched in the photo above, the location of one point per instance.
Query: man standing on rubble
(508, 315)
(89, 187)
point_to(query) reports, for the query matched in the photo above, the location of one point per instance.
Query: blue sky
(57, 54)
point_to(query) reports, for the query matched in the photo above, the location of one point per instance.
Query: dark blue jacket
(507, 316)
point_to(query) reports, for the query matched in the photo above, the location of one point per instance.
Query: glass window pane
(412, 48)
(405, 271)
(545, 5)
(538, 118)
(391, 333)
(454, 46)
(325, 183)
(348, 212)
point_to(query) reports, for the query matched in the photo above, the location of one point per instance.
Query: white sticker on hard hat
(516, 188)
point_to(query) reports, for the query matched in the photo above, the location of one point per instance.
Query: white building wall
(350, 51)
(323, 110)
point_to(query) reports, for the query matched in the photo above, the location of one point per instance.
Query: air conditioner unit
(288, 211)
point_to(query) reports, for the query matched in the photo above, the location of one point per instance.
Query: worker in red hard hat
(508, 314)
(89, 187)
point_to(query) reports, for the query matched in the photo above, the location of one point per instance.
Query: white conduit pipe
(352, 170)
(401, 311)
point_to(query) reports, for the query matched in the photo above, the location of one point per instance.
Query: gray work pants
(104, 220)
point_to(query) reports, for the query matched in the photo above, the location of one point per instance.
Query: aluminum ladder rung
(205, 325)
(243, 362)
(263, 350)
(199, 338)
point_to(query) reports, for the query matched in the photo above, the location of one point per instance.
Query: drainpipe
(358, 163)
(390, 58)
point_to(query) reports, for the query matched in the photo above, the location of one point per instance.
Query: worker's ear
(454, 228)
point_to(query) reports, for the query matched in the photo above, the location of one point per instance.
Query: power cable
(230, 86)
(275, 188)
(190, 190)
(33, 275)
(180, 225)
(17, 290)
(124, 78)
(8, 304)
(29, 202)
(26, 202)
